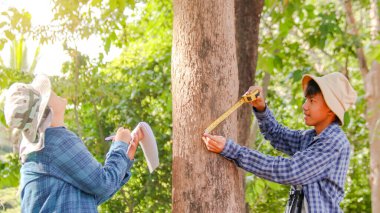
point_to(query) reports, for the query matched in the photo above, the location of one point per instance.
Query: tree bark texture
(204, 85)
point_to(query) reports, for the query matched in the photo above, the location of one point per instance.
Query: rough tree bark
(204, 84)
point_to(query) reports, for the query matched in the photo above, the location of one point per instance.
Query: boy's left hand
(214, 143)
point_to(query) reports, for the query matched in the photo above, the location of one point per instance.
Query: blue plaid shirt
(318, 162)
(65, 177)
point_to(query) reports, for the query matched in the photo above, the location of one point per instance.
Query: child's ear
(331, 113)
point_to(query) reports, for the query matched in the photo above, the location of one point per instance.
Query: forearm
(293, 171)
(281, 138)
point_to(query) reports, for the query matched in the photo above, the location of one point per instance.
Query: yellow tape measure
(244, 99)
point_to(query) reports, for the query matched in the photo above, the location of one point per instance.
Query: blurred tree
(247, 22)
(14, 25)
(134, 87)
(19, 57)
(371, 79)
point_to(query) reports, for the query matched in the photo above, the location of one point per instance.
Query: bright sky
(51, 56)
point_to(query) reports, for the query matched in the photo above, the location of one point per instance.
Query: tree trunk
(247, 21)
(371, 81)
(204, 85)
(354, 31)
(373, 121)
(375, 22)
(372, 88)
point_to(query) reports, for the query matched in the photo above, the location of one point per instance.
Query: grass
(9, 200)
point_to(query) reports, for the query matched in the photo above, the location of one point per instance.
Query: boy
(59, 174)
(319, 157)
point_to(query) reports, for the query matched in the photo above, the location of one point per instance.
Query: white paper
(149, 146)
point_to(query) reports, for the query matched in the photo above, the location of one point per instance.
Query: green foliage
(19, 60)
(135, 87)
(84, 18)
(10, 171)
(373, 52)
(265, 196)
(14, 24)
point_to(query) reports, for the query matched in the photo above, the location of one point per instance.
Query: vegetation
(296, 37)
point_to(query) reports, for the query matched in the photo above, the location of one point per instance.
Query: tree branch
(375, 22)
(355, 32)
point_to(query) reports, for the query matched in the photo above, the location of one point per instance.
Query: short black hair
(312, 89)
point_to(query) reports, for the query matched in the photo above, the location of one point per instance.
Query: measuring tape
(244, 99)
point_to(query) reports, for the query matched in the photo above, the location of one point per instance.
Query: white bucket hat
(336, 90)
(25, 109)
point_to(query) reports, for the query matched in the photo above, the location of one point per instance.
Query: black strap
(295, 200)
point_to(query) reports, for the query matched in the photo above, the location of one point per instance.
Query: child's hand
(259, 103)
(214, 143)
(123, 135)
(137, 135)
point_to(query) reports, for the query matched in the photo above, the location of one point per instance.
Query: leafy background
(296, 37)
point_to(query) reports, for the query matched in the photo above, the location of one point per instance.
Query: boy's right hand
(259, 103)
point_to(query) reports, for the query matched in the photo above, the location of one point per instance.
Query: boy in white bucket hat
(319, 157)
(58, 173)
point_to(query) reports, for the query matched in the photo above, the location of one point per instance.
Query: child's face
(316, 112)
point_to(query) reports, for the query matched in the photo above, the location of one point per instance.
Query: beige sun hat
(25, 109)
(336, 90)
